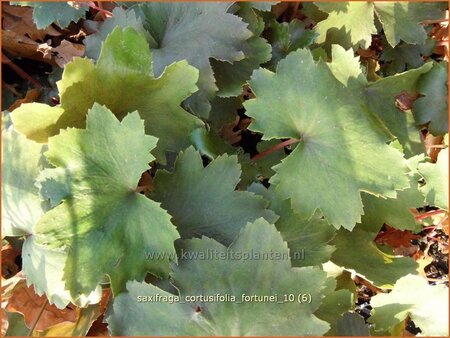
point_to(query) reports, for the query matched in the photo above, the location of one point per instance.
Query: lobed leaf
(341, 144)
(105, 225)
(231, 277)
(123, 81)
(203, 201)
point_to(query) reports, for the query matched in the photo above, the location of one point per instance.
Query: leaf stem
(20, 71)
(41, 311)
(274, 148)
(430, 22)
(102, 11)
(428, 214)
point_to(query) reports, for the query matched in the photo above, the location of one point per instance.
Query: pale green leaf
(341, 144)
(412, 297)
(196, 33)
(401, 19)
(105, 225)
(22, 160)
(436, 180)
(357, 251)
(123, 81)
(356, 17)
(346, 68)
(231, 77)
(62, 13)
(120, 18)
(44, 269)
(44, 120)
(397, 211)
(227, 276)
(203, 201)
(432, 107)
(381, 96)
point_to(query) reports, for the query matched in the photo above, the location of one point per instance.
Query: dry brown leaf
(9, 266)
(399, 240)
(423, 259)
(32, 95)
(61, 54)
(405, 100)
(145, 184)
(8, 286)
(228, 133)
(25, 301)
(66, 51)
(20, 45)
(99, 328)
(433, 145)
(20, 20)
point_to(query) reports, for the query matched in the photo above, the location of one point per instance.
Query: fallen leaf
(99, 328)
(433, 144)
(399, 240)
(405, 100)
(9, 266)
(20, 45)
(87, 316)
(145, 184)
(228, 133)
(66, 51)
(8, 286)
(423, 259)
(32, 95)
(61, 54)
(20, 20)
(25, 301)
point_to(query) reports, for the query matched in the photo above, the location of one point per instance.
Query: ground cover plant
(225, 169)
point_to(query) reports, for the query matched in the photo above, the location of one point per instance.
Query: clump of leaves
(236, 166)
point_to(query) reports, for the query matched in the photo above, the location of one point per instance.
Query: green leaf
(230, 77)
(103, 222)
(401, 20)
(356, 250)
(346, 68)
(404, 56)
(203, 201)
(16, 324)
(46, 13)
(352, 324)
(433, 106)
(436, 181)
(120, 18)
(412, 297)
(196, 33)
(262, 6)
(208, 277)
(287, 37)
(37, 121)
(127, 84)
(22, 160)
(41, 265)
(395, 212)
(342, 145)
(334, 304)
(357, 18)
(307, 239)
(381, 96)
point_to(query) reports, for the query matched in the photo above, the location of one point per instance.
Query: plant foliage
(228, 169)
